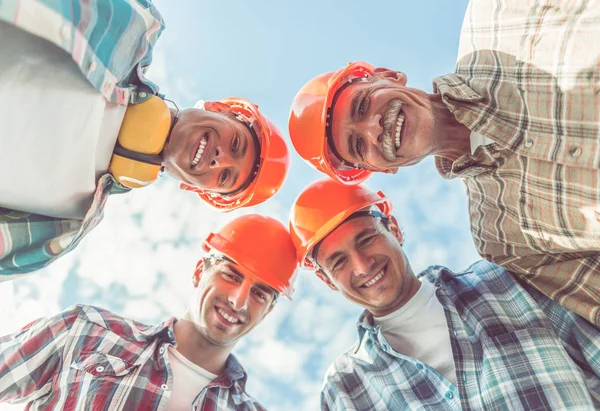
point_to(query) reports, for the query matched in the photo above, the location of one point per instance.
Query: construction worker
(87, 358)
(437, 340)
(81, 122)
(518, 122)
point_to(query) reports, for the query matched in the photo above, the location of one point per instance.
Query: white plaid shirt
(528, 78)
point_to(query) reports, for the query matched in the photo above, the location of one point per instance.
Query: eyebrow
(337, 254)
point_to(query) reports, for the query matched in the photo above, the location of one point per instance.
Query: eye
(338, 264)
(363, 107)
(223, 177)
(367, 240)
(260, 295)
(235, 144)
(230, 277)
(359, 146)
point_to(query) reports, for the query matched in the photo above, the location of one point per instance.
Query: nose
(372, 128)
(239, 296)
(221, 158)
(361, 263)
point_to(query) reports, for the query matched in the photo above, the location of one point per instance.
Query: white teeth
(399, 123)
(228, 317)
(201, 148)
(373, 280)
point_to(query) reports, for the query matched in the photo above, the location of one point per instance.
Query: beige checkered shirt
(528, 78)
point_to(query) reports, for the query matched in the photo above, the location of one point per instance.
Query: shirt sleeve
(30, 357)
(29, 242)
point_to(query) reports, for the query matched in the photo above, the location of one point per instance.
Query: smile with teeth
(372, 281)
(228, 317)
(200, 151)
(399, 123)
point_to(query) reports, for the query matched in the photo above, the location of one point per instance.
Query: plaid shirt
(111, 41)
(528, 78)
(86, 358)
(514, 349)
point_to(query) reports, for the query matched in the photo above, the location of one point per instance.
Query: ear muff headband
(133, 155)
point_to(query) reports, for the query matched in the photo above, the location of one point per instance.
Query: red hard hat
(272, 169)
(309, 117)
(272, 259)
(322, 207)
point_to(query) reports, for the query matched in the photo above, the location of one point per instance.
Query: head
(227, 152)
(354, 245)
(239, 281)
(361, 119)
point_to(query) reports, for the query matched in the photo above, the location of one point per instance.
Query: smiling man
(86, 358)
(519, 123)
(438, 340)
(81, 122)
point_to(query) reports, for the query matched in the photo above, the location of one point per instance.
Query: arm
(29, 242)
(31, 357)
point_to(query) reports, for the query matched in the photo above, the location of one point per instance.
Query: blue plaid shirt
(514, 349)
(111, 41)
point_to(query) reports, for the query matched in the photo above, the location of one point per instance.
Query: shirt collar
(234, 373)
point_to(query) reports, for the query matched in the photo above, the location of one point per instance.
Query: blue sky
(139, 261)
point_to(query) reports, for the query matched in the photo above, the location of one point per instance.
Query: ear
(215, 106)
(198, 273)
(326, 280)
(391, 75)
(395, 229)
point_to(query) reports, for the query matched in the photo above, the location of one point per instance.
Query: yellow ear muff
(136, 161)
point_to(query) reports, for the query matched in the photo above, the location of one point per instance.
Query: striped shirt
(513, 348)
(86, 358)
(528, 78)
(111, 41)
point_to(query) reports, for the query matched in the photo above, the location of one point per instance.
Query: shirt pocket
(530, 369)
(100, 364)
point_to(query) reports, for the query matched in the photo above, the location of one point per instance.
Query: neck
(452, 138)
(404, 296)
(192, 344)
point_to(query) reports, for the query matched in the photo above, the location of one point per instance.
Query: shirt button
(528, 143)
(455, 333)
(161, 350)
(143, 94)
(164, 387)
(420, 366)
(464, 377)
(384, 347)
(100, 369)
(449, 395)
(575, 152)
(92, 66)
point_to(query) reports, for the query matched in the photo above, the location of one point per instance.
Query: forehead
(343, 236)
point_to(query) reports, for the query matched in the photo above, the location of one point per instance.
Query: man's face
(381, 124)
(228, 303)
(211, 151)
(364, 261)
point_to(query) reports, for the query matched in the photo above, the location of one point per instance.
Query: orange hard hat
(272, 259)
(271, 168)
(310, 122)
(322, 207)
